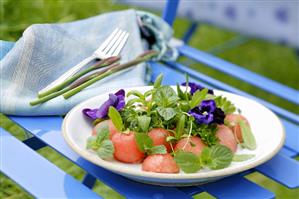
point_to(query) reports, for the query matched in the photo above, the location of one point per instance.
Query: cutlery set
(112, 46)
(107, 62)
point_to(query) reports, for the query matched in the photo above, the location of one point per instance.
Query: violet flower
(207, 113)
(194, 87)
(116, 100)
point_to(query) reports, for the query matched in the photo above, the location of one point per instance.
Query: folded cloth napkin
(45, 51)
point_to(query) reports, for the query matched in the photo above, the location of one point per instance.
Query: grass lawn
(274, 61)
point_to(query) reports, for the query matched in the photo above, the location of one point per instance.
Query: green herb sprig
(214, 157)
(100, 143)
(145, 144)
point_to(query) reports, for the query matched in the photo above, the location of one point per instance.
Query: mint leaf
(133, 101)
(205, 156)
(207, 133)
(116, 118)
(223, 103)
(187, 161)
(102, 132)
(248, 138)
(166, 113)
(187, 81)
(101, 143)
(179, 131)
(92, 143)
(171, 138)
(96, 121)
(160, 149)
(136, 93)
(184, 105)
(106, 149)
(180, 92)
(144, 142)
(144, 122)
(158, 81)
(219, 157)
(197, 97)
(148, 93)
(165, 96)
(242, 157)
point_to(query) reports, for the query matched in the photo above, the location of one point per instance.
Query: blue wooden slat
(122, 185)
(220, 85)
(188, 34)
(236, 187)
(258, 80)
(230, 44)
(36, 174)
(191, 190)
(170, 10)
(89, 180)
(292, 131)
(32, 123)
(34, 143)
(288, 152)
(282, 169)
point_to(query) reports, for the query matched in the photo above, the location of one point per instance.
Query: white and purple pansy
(117, 100)
(195, 87)
(207, 113)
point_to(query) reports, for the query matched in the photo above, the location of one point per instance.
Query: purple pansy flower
(218, 116)
(116, 100)
(194, 87)
(207, 113)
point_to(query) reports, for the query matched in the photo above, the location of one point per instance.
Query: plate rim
(177, 176)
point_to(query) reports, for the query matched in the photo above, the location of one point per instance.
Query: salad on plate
(168, 130)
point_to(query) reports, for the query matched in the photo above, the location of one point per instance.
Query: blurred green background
(274, 61)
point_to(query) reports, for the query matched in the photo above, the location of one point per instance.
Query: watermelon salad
(168, 129)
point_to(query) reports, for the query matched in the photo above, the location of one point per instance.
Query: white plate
(266, 127)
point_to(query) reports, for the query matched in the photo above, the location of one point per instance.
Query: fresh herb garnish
(159, 149)
(181, 94)
(116, 118)
(166, 112)
(165, 96)
(197, 97)
(248, 138)
(225, 104)
(194, 111)
(180, 127)
(217, 156)
(207, 133)
(145, 144)
(158, 81)
(101, 143)
(144, 122)
(187, 161)
(214, 157)
(106, 149)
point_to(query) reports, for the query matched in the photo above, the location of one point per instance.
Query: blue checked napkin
(45, 51)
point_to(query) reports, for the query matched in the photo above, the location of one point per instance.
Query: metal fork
(110, 47)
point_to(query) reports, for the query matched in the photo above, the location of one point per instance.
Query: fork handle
(68, 74)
